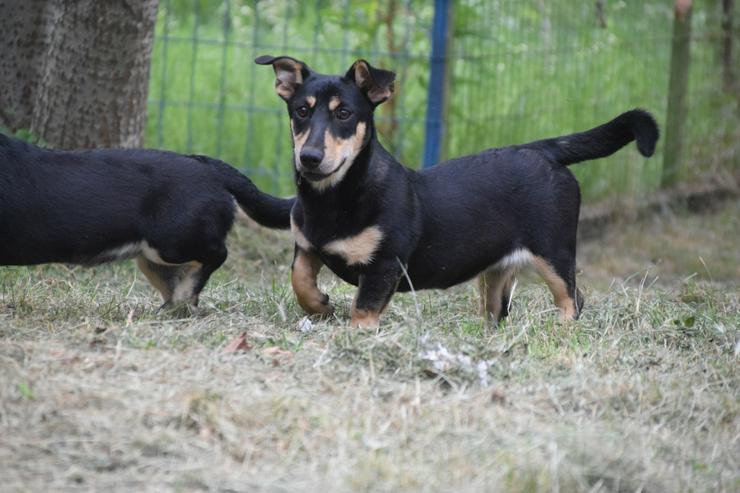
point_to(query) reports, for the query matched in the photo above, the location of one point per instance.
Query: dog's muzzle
(316, 174)
(311, 158)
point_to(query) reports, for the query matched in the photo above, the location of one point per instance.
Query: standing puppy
(386, 228)
(170, 212)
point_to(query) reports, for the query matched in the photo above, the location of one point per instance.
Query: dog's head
(331, 117)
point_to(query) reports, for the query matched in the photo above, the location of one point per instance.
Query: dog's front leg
(305, 270)
(374, 293)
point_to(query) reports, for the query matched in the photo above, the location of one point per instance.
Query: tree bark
(76, 74)
(22, 26)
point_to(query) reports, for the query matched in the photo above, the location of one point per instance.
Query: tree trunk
(22, 26)
(76, 73)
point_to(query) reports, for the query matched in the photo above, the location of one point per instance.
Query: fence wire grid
(517, 70)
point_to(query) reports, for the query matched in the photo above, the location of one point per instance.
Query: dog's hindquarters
(269, 211)
(603, 140)
(180, 274)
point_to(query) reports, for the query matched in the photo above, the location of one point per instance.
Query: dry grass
(100, 392)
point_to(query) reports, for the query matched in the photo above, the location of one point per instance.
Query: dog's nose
(311, 157)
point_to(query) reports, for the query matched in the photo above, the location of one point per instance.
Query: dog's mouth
(315, 176)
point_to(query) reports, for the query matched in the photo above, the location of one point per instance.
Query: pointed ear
(375, 83)
(289, 73)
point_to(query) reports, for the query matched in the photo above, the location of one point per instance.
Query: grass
(519, 71)
(99, 391)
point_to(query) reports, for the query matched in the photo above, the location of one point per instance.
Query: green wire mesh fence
(517, 70)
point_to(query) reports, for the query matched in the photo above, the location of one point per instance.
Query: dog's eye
(342, 113)
(302, 111)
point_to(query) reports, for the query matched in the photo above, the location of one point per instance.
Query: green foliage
(519, 71)
(24, 134)
(25, 391)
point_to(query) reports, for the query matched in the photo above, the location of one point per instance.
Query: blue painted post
(435, 94)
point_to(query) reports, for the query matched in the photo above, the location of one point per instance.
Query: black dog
(384, 227)
(170, 212)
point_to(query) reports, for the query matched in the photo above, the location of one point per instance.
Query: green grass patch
(97, 386)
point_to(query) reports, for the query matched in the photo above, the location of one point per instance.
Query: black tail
(605, 139)
(267, 210)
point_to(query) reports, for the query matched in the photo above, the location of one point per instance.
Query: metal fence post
(677, 91)
(434, 133)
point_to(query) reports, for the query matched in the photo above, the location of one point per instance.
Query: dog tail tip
(645, 130)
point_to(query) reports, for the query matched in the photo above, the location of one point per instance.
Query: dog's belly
(443, 265)
(92, 253)
(440, 276)
(340, 268)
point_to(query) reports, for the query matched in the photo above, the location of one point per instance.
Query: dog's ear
(375, 83)
(289, 73)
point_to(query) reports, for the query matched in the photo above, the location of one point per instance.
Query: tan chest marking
(359, 249)
(298, 236)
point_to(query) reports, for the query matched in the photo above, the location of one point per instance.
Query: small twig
(411, 285)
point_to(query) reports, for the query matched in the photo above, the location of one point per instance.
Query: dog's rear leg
(560, 276)
(199, 277)
(495, 289)
(506, 293)
(162, 277)
(304, 271)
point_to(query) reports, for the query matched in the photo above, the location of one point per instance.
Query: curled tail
(269, 211)
(603, 140)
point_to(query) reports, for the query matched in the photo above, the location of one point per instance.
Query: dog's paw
(317, 304)
(324, 309)
(364, 318)
(178, 309)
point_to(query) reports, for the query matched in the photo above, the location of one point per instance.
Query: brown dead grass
(100, 392)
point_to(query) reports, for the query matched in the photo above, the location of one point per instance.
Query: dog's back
(74, 206)
(172, 212)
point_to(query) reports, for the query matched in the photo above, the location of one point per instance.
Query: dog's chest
(354, 249)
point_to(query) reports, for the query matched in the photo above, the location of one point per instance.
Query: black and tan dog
(170, 212)
(386, 228)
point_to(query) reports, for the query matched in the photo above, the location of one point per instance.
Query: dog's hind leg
(560, 276)
(304, 271)
(185, 282)
(160, 276)
(176, 283)
(495, 288)
(198, 277)
(506, 293)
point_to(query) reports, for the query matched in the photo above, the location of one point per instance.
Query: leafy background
(518, 71)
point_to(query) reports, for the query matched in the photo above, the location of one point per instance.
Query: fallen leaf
(498, 396)
(238, 343)
(276, 354)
